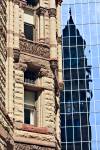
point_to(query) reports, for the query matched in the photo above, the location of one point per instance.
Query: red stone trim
(31, 128)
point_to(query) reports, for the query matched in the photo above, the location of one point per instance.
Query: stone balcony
(35, 48)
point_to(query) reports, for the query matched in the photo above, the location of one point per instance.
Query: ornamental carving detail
(59, 40)
(19, 146)
(52, 12)
(35, 48)
(41, 11)
(59, 1)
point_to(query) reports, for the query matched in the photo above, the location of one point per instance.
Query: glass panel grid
(80, 99)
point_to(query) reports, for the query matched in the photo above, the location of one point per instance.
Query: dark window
(30, 76)
(69, 134)
(67, 63)
(32, 2)
(27, 116)
(28, 31)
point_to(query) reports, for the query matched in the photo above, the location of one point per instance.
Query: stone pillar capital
(41, 11)
(52, 12)
(22, 3)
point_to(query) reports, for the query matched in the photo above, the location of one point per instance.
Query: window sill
(31, 128)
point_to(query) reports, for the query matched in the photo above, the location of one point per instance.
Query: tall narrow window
(28, 31)
(29, 24)
(29, 107)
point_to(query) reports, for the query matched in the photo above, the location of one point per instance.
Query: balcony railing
(35, 48)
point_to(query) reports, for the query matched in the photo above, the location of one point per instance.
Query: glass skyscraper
(80, 99)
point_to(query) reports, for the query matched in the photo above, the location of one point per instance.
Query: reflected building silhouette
(76, 96)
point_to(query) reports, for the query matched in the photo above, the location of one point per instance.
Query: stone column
(16, 25)
(59, 41)
(40, 12)
(9, 62)
(53, 41)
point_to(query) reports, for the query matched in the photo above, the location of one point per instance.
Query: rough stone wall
(2, 64)
(6, 127)
(3, 145)
(2, 50)
(18, 96)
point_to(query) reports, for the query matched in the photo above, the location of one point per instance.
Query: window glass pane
(27, 116)
(28, 31)
(81, 46)
(29, 97)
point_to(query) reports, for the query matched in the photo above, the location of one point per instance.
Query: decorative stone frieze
(34, 48)
(52, 12)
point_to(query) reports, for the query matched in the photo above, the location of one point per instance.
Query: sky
(86, 16)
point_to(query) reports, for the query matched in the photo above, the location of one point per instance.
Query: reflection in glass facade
(80, 99)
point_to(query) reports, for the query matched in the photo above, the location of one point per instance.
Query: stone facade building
(30, 74)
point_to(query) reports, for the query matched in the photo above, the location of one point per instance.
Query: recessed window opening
(30, 107)
(30, 76)
(29, 31)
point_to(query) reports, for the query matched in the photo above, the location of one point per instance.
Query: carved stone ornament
(59, 1)
(17, 2)
(19, 146)
(43, 72)
(41, 11)
(39, 49)
(52, 12)
(54, 64)
(59, 40)
(20, 66)
(16, 53)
